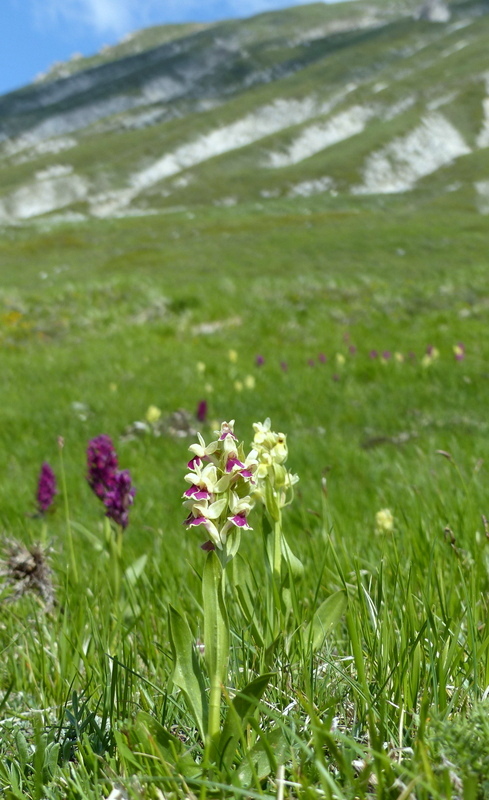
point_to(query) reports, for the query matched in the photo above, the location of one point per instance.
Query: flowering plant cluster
(221, 482)
(224, 485)
(112, 486)
(274, 482)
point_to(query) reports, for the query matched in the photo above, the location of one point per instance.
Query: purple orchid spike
(46, 488)
(201, 412)
(102, 465)
(120, 498)
(259, 361)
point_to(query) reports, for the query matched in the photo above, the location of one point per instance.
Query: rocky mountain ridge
(349, 98)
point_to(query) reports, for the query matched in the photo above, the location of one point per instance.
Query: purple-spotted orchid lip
(240, 521)
(227, 429)
(194, 462)
(227, 433)
(192, 521)
(233, 462)
(197, 493)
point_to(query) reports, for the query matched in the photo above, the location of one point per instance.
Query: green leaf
(216, 624)
(125, 752)
(22, 749)
(270, 749)
(242, 705)
(136, 569)
(242, 582)
(271, 501)
(170, 746)
(187, 673)
(327, 615)
(295, 565)
(91, 537)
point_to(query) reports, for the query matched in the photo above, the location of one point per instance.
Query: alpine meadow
(244, 495)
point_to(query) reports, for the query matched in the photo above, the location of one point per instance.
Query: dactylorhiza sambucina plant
(218, 500)
(274, 488)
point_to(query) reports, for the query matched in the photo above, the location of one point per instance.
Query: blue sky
(35, 33)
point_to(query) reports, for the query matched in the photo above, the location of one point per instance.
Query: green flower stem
(74, 570)
(277, 551)
(216, 641)
(113, 540)
(214, 719)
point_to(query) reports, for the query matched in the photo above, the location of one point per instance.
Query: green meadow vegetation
(374, 683)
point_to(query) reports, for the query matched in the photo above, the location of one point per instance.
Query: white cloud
(119, 16)
(102, 16)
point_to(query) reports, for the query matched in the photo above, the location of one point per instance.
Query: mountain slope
(346, 98)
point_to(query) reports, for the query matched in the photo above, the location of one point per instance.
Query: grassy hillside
(311, 100)
(98, 324)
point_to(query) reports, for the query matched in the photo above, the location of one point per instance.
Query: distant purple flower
(201, 412)
(322, 358)
(102, 465)
(120, 498)
(411, 355)
(352, 350)
(311, 362)
(459, 351)
(386, 355)
(336, 377)
(259, 361)
(46, 488)
(373, 354)
(284, 366)
(429, 350)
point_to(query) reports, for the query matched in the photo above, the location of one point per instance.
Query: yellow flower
(384, 521)
(233, 356)
(238, 386)
(200, 367)
(340, 359)
(153, 414)
(113, 387)
(399, 357)
(250, 382)
(209, 388)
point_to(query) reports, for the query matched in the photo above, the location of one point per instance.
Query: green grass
(387, 704)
